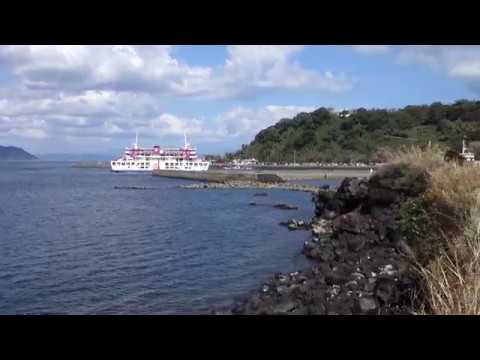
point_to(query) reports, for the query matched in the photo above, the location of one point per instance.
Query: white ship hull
(125, 165)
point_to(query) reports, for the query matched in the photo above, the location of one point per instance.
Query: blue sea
(71, 243)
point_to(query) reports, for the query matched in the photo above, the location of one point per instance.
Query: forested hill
(14, 153)
(361, 134)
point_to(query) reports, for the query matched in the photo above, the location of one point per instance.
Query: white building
(467, 155)
(245, 162)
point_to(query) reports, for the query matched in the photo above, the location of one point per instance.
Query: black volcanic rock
(14, 153)
(361, 267)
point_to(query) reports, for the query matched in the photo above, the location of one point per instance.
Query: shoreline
(264, 176)
(284, 173)
(362, 266)
(321, 174)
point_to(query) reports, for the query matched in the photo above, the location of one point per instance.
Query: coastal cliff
(405, 241)
(364, 265)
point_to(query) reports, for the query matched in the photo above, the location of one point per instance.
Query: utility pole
(294, 164)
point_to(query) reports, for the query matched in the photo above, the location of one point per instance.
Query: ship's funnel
(135, 146)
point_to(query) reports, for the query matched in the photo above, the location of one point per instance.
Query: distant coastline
(12, 153)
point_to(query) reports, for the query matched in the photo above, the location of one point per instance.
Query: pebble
(334, 291)
(387, 270)
(358, 275)
(367, 304)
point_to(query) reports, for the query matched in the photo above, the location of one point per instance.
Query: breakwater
(219, 176)
(239, 184)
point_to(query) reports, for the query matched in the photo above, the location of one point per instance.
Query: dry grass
(452, 194)
(429, 158)
(452, 278)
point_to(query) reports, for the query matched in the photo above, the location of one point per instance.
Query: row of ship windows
(148, 164)
(141, 164)
(176, 164)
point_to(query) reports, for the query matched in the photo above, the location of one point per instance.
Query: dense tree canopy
(361, 134)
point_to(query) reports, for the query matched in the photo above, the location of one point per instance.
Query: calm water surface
(70, 243)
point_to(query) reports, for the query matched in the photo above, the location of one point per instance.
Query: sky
(92, 99)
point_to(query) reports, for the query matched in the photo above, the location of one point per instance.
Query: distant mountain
(76, 157)
(14, 153)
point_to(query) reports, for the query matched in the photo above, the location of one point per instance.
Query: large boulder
(325, 202)
(349, 195)
(353, 222)
(352, 192)
(395, 182)
(321, 227)
(269, 178)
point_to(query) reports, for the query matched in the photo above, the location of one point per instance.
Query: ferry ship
(149, 159)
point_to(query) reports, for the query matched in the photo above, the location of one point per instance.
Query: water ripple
(72, 244)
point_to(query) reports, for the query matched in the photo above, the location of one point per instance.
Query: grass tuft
(451, 275)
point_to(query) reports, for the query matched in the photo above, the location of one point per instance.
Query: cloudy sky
(92, 99)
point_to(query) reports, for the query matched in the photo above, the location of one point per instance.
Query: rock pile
(252, 185)
(133, 188)
(364, 266)
(293, 224)
(281, 206)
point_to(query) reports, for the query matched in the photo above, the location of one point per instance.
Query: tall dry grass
(429, 158)
(452, 279)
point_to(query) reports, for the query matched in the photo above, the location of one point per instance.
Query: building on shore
(245, 162)
(466, 154)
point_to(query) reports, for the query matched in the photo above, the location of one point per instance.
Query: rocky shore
(363, 263)
(253, 185)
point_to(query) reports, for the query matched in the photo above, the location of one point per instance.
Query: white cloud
(456, 61)
(154, 69)
(270, 66)
(169, 124)
(30, 133)
(460, 62)
(245, 123)
(105, 92)
(117, 68)
(109, 115)
(372, 49)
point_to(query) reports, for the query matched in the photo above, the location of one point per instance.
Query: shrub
(443, 227)
(419, 229)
